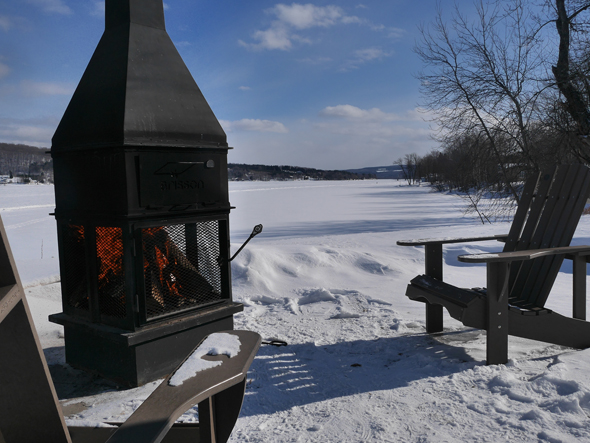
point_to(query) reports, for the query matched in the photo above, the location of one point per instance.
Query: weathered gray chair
(520, 278)
(30, 411)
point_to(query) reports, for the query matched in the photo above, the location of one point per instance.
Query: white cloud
(369, 54)
(307, 16)
(352, 113)
(57, 6)
(245, 88)
(4, 70)
(256, 125)
(5, 23)
(33, 132)
(333, 142)
(395, 32)
(166, 6)
(25, 132)
(277, 37)
(362, 56)
(30, 88)
(98, 9)
(296, 17)
(315, 60)
(353, 19)
(378, 132)
(374, 124)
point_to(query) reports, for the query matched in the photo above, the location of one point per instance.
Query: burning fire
(171, 279)
(166, 263)
(109, 253)
(109, 250)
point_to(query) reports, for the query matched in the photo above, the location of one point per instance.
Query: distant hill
(10, 147)
(392, 171)
(31, 162)
(25, 161)
(263, 172)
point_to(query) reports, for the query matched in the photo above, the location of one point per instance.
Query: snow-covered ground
(327, 277)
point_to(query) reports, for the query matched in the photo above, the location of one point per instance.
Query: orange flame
(109, 250)
(166, 264)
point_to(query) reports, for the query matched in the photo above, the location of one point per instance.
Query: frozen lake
(327, 277)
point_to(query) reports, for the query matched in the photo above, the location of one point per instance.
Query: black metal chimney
(136, 89)
(142, 205)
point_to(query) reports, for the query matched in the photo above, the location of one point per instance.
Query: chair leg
(434, 268)
(218, 414)
(434, 318)
(497, 313)
(579, 290)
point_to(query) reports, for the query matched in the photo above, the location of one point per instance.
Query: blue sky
(326, 84)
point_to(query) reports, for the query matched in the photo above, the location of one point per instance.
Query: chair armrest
(448, 240)
(507, 257)
(156, 415)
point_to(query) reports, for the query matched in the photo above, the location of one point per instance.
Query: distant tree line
(241, 172)
(509, 91)
(30, 163)
(26, 162)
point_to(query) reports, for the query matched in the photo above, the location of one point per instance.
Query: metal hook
(257, 230)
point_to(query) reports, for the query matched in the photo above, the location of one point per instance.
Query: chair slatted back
(545, 218)
(29, 409)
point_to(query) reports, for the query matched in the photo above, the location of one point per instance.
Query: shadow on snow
(297, 375)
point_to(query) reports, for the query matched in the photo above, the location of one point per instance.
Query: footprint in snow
(348, 303)
(316, 296)
(265, 300)
(344, 314)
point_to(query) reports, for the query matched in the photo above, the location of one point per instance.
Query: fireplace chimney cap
(136, 90)
(141, 12)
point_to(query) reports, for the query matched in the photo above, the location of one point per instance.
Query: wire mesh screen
(111, 277)
(74, 282)
(180, 267)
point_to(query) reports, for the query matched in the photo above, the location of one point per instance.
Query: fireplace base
(134, 358)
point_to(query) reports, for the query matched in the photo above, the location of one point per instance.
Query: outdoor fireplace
(142, 206)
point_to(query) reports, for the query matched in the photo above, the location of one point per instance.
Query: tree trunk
(574, 100)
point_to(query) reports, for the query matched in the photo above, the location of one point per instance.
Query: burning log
(172, 280)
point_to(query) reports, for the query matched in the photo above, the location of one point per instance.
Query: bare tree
(483, 77)
(509, 94)
(410, 166)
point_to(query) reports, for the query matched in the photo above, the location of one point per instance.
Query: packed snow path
(327, 277)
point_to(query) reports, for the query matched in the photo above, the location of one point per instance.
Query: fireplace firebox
(142, 207)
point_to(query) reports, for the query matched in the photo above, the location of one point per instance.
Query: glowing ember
(109, 250)
(166, 263)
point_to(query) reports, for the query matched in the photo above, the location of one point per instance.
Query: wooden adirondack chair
(30, 411)
(520, 278)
